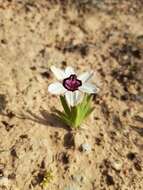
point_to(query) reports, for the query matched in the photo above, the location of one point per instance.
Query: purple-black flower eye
(72, 83)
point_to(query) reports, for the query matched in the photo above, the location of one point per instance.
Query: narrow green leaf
(65, 105)
(84, 102)
(89, 111)
(73, 116)
(84, 109)
(79, 116)
(89, 97)
(63, 117)
(60, 113)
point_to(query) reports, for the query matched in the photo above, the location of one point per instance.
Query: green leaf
(90, 110)
(65, 105)
(84, 109)
(73, 115)
(63, 117)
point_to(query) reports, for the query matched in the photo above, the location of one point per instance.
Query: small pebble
(117, 165)
(86, 147)
(71, 187)
(78, 178)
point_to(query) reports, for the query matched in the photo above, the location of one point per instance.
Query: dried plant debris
(117, 122)
(47, 178)
(79, 48)
(105, 110)
(3, 102)
(138, 118)
(8, 126)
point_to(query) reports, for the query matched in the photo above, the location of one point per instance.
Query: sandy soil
(107, 38)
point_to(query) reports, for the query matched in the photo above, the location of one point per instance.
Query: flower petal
(59, 73)
(69, 71)
(85, 76)
(56, 88)
(88, 88)
(73, 98)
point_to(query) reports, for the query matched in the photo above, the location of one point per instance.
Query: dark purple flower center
(72, 83)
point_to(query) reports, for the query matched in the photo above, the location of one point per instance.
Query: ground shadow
(44, 118)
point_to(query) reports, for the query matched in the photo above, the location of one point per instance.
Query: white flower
(71, 85)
